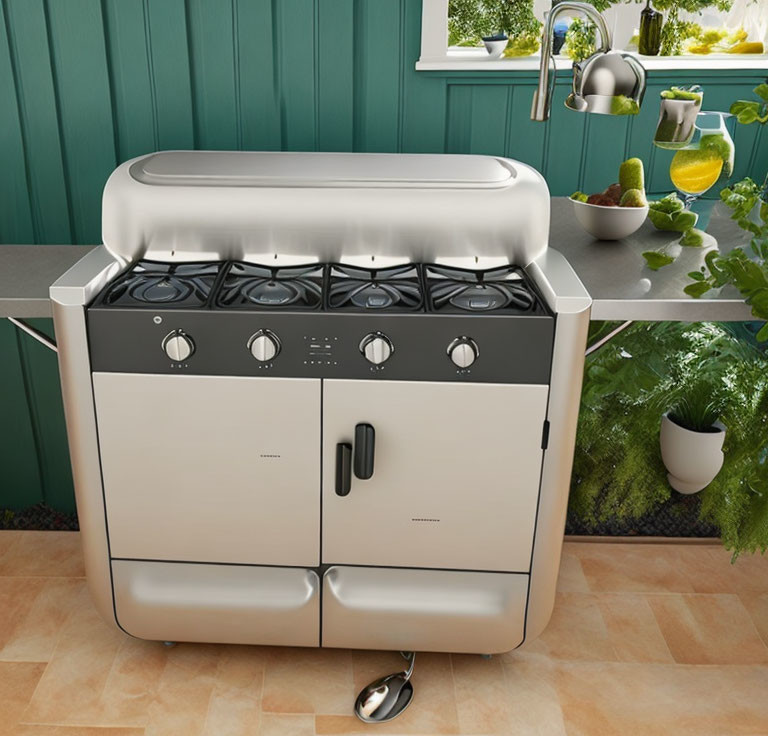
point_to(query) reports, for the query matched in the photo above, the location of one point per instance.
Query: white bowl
(609, 223)
(496, 48)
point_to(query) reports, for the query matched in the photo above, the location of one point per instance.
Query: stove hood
(206, 205)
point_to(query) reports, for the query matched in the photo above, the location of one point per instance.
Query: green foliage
(675, 31)
(748, 273)
(656, 259)
(752, 111)
(470, 20)
(699, 408)
(580, 39)
(629, 383)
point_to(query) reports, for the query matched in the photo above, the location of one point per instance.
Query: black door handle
(365, 441)
(343, 468)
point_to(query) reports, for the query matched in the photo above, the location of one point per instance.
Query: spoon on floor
(387, 697)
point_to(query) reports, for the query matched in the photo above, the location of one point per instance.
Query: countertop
(614, 273)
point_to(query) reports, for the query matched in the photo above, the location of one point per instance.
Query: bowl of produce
(618, 211)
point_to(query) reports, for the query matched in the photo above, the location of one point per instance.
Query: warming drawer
(425, 610)
(167, 601)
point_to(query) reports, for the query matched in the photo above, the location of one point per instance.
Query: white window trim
(436, 56)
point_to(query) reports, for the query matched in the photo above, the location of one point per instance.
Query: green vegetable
(678, 93)
(717, 142)
(580, 196)
(631, 175)
(752, 111)
(580, 40)
(656, 259)
(692, 238)
(623, 105)
(633, 198)
(668, 214)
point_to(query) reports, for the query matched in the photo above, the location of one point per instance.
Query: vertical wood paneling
(169, 61)
(15, 211)
(49, 197)
(131, 78)
(377, 75)
(259, 108)
(85, 108)
(215, 88)
(335, 75)
(85, 84)
(296, 45)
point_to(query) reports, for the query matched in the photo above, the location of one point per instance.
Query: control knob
(264, 345)
(463, 352)
(377, 348)
(178, 346)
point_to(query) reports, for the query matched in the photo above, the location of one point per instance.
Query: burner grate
(502, 290)
(253, 286)
(153, 283)
(395, 288)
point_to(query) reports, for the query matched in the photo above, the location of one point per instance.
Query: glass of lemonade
(706, 160)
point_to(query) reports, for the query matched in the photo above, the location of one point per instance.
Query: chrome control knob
(178, 346)
(264, 345)
(463, 352)
(377, 348)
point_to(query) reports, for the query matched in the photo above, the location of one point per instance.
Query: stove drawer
(210, 468)
(168, 601)
(434, 475)
(423, 610)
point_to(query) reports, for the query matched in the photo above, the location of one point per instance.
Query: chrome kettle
(608, 82)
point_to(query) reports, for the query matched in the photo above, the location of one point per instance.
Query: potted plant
(691, 439)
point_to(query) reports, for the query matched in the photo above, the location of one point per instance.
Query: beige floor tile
(276, 724)
(235, 705)
(757, 606)
(654, 700)
(75, 677)
(53, 554)
(433, 710)
(9, 537)
(481, 695)
(571, 578)
(576, 630)
(17, 597)
(37, 730)
(632, 568)
(18, 681)
(307, 681)
(180, 704)
(633, 629)
(747, 574)
(708, 629)
(35, 637)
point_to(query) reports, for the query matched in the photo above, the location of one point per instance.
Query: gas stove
(323, 400)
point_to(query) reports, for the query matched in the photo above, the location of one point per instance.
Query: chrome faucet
(608, 82)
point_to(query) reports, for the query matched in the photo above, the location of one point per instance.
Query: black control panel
(418, 347)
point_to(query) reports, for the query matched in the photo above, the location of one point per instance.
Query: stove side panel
(69, 295)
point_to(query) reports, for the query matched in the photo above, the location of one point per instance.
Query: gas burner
(153, 283)
(252, 286)
(395, 288)
(505, 290)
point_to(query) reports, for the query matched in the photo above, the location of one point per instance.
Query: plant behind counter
(618, 473)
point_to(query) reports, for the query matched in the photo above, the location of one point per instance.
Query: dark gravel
(38, 517)
(678, 517)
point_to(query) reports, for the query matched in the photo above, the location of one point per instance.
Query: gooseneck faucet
(542, 97)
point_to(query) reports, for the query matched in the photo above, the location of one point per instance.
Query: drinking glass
(707, 160)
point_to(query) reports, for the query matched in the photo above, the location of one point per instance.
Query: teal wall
(86, 84)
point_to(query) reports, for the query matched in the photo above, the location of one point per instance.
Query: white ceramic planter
(693, 459)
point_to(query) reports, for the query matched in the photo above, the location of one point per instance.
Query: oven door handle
(343, 468)
(365, 442)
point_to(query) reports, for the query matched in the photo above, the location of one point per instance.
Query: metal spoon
(387, 697)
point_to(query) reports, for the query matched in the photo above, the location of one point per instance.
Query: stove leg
(169, 643)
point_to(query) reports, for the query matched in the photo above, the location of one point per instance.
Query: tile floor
(645, 639)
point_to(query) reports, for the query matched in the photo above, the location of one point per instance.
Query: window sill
(477, 60)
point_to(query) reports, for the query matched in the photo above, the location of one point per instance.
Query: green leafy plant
(618, 473)
(675, 30)
(470, 20)
(699, 408)
(752, 111)
(580, 39)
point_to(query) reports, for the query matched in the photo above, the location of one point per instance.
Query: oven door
(453, 473)
(210, 468)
